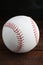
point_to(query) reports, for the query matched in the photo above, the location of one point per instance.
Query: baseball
(20, 34)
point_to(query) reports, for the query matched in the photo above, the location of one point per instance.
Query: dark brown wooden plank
(30, 58)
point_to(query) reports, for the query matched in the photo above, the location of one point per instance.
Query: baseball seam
(19, 35)
(35, 31)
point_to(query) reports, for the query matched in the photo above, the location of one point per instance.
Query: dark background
(10, 8)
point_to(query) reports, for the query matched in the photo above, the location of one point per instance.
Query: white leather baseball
(20, 34)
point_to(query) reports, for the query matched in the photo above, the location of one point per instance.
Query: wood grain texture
(34, 57)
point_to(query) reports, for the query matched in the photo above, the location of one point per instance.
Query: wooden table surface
(34, 57)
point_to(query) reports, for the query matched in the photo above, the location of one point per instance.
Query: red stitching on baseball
(19, 34)
(34, 30)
